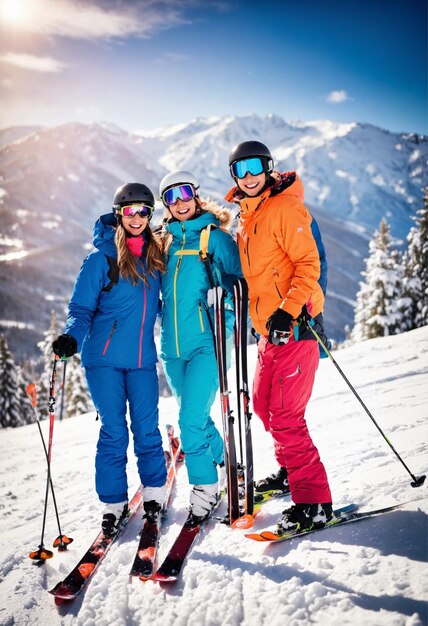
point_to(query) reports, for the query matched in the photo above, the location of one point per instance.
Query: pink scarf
(135, 245)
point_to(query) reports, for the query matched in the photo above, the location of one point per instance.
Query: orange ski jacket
(279, 255)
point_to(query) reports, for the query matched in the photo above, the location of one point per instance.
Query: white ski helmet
(179, 177)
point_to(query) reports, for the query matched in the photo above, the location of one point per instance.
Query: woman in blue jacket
(111, 316)
(187, 343)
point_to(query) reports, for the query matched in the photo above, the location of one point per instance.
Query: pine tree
(377, 311)
(27, 411)
(77, 397)
(10, 405)
(415, 272)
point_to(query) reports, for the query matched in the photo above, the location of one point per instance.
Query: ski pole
(416, 482)
(238, 348)
(61, 541)
(62, 391)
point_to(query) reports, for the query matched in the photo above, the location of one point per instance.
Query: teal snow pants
(194, 383)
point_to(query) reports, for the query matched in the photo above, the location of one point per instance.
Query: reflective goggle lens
(143, 210)
(181, 192)
(252, 166)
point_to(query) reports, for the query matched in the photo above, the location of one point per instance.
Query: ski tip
(244, 522)
(254, 537)
(267, 535)
(62, 593)
(160, 578)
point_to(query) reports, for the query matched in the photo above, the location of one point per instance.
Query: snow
(371, 573)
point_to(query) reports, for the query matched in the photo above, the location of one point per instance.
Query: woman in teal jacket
(187, 342)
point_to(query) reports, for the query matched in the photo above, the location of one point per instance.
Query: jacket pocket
(112, 331)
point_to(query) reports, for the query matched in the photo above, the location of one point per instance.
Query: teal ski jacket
(186, 317)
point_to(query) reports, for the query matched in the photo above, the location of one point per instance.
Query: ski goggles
(253, 166)
(130, 210)
(181, 192)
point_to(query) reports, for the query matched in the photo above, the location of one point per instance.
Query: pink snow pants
(283, 383)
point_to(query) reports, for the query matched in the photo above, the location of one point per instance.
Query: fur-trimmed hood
(222, 213)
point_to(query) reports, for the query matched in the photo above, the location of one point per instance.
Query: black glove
(279, 326)
(65, 346)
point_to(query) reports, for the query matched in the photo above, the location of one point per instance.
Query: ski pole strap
(206, 261)
(310, 323)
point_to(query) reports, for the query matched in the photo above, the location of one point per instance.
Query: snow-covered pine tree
(48, 356)
(10, 402)
(27, 411)
(415, 272)
(77, 398)
(377, 311)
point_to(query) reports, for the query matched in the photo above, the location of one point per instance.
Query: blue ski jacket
(112, 327)
(186, 321)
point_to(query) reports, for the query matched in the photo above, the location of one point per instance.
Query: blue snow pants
(111, 389)
(194, 383)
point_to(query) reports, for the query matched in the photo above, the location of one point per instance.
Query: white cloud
(84, 20)
(338, 96)
(32, 62)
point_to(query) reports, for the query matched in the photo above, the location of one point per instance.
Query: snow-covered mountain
(371, 573)
(55, 182)
(357, 172)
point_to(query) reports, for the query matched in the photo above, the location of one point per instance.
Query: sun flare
(13, 12)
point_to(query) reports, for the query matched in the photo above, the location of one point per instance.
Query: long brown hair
(129, 266)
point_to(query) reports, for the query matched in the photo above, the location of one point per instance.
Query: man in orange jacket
(281, 264)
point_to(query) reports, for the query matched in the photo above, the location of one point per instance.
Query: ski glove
(279, 326)
(65, 346)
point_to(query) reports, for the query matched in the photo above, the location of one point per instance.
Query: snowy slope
(371, 573)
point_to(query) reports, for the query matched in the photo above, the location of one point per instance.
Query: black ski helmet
(248, 149)
(130, 193)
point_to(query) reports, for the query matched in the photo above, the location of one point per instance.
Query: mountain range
(55, 182)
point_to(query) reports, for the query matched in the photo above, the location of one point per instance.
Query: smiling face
(135, 224)
(183, 210)
(251, 185)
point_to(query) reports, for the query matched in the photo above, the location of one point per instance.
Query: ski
(240, 289)
(172, 565)
(345, 515)
(78, 578)
(149, 538)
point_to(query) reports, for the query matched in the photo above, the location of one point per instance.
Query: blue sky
(151, 63)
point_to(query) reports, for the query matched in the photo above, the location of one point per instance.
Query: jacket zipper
(112, 331)
(143, 319)
(201, 320)
(281, 395)
(177, 348)
(247, 252)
